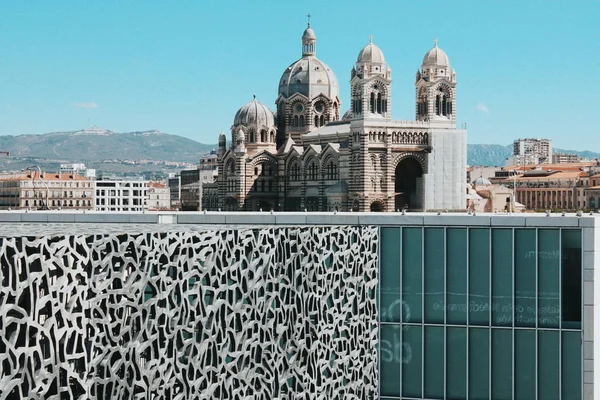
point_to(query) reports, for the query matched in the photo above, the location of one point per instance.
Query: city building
(174, 190)
(121, 195)
(563, 186)
(565, 158)
(531, 151)
(193, 181)
(300, 305)
(36, 189)
(474, 173)
(308, 156)
(190, 190)
(485, 196)
(159, 196)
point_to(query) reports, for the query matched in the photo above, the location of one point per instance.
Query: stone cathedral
(303, 156)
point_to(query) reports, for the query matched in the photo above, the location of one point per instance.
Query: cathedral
(304, 156)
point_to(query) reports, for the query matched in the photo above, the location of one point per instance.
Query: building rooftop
(36, 223)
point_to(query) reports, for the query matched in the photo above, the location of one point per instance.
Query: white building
(121, 195)
(531, 151)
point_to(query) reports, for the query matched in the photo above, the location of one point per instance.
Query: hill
(96, 144)
(145, 152)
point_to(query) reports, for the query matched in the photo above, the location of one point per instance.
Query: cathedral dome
(254, 113)
(309, 75)
(370, 54)
(437, 57)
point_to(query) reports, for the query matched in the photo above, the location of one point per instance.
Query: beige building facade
(307, 156)
(43, 190)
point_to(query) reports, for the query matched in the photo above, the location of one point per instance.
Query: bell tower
(371, 84)
(435, 89)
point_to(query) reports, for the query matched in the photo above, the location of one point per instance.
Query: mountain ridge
(98, 147)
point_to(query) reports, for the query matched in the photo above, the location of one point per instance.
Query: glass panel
(548, 277)
(548, 365)
(390, 305)
(390, 358)
(525, 264)
(479, 276)
(412, 242)
(434, 275)
(525, 364)
(502, 356)
(479, 364)
(456, 363)
(411, 368)
(571, 365)
(456, 270)
(434, 362)
(571, 279)
(502, 254)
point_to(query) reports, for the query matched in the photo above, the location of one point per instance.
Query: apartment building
(121, 195)
(531, 151)
(158, 196)
(44, 190)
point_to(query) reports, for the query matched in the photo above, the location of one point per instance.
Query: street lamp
(32, 169)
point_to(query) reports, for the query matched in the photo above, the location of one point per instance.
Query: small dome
(436, 56)
(370, 54)
(481, 181)
(222, 137)
(254, 113)
(309, 33)
(348, 115)
(241, 136)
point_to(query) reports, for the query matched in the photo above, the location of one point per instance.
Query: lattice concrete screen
(281, 313)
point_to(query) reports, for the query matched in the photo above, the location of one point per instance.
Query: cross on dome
(308, 15)
(435, 42)
(370, 38)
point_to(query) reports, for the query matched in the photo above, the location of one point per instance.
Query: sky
(525, 68)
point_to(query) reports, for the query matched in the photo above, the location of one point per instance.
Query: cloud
(482, 107)
(86, 105)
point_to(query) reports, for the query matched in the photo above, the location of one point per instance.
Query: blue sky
(524, 68)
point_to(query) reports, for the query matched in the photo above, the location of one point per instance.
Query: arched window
(294, 172)
(295, 121)
(437, 105)
(316, 121)
(322, 120)
(302, 121)
(331, 170)
(252, 138)
(230, 168)
(312, 171)
(372, 102)
(263, 136)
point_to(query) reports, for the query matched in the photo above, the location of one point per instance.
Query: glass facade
(480, 313)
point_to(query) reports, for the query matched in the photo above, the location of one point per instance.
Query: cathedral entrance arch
(377, 206)
(408, 181)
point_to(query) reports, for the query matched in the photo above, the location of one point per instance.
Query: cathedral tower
(436, 89)
(371, 84)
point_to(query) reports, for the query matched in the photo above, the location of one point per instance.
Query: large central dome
(309, 75)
